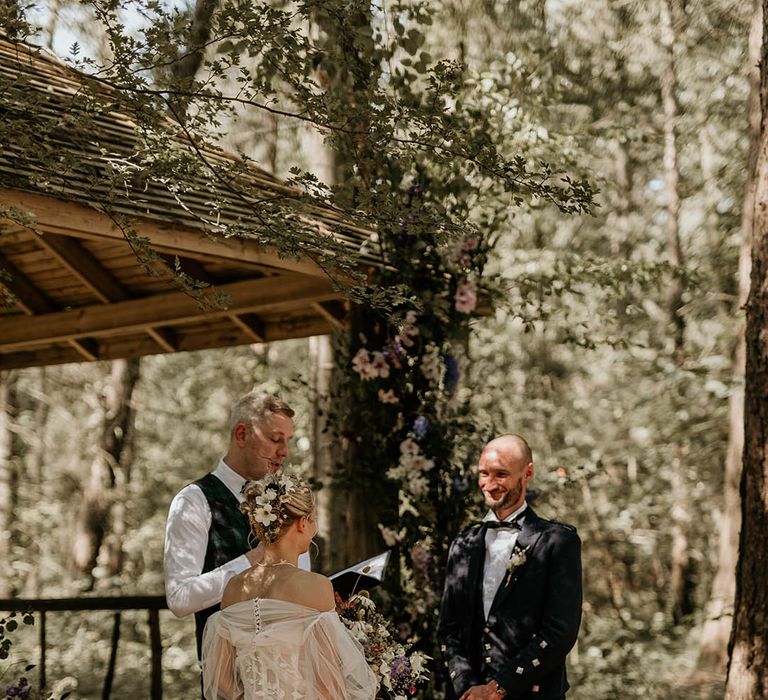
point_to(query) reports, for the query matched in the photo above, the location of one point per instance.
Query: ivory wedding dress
(267, 649)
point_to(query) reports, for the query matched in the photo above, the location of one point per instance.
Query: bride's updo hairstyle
(274, 503)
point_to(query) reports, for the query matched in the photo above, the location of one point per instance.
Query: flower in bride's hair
(264, 515)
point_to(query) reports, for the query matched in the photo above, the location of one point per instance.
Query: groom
(207, 539)
(512, 602)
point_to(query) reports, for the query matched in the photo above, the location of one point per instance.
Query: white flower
(286, 482)
(264, 515)
(388, 396)
(409, 447)
(418, 662)
(269, 494)
(466, 296)
(390, 537)
(432, 366)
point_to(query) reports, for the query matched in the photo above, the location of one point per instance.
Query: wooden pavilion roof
(75, 288)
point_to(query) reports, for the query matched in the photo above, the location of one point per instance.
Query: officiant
(511, 606)
(207, 538)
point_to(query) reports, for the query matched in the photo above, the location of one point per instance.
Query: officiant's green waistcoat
(227, 537)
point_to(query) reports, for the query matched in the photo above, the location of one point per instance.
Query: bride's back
(280, 582)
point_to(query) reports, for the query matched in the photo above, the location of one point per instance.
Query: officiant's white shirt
(499, 543)
(187, 589)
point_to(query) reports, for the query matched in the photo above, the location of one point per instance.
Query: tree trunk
(748, 645)
(671, 171)
(682, 579)
(9, 477)
(107, 477)
(714, 635)
(190, 56)
(353, 516)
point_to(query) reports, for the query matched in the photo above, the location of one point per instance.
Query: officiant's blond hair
(297, 502)
(255, 407)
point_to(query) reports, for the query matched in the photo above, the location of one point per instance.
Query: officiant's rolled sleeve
(187, 589)
(560, 625)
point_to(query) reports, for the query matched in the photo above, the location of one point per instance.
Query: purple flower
(460, 485)
(451, 372)
(420, 426)
(401, 668)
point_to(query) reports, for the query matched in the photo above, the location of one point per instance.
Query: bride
(278, 634)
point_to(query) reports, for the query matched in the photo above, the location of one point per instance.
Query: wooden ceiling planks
(80, 290)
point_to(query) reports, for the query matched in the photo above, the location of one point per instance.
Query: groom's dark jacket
(533, 621)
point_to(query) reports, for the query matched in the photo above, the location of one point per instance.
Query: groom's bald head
(511, 448)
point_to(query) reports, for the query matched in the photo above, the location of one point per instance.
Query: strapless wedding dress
(267, 649)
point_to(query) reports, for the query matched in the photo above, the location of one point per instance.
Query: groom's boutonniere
(516, 560)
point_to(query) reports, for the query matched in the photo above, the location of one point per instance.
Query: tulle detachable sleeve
(334, 663)
(270, 648)
(220, 679)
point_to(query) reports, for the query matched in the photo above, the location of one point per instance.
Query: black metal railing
(153, 604)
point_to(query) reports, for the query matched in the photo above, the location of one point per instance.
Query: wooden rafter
(250, 324)
(32, 301)
(265, 295)
(87, 269)
(28, 297)
(334, 312)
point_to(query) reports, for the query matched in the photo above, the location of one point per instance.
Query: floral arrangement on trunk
(399, 671)
(409, 433)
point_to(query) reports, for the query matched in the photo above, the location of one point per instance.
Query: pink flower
(388, 396)
(466, 296)
(409, 447)
(380, 365)
(361, 363)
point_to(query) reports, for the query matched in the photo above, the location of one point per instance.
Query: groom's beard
(508, 499)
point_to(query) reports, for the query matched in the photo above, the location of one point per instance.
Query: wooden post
(156, 687)
(42, 651)
(107, 691)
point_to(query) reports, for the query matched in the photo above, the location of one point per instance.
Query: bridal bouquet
(399, 673)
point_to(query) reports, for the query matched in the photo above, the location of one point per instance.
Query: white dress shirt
(187, 589)
(499, 543)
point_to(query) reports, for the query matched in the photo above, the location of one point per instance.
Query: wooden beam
(72, 219)
(27, 296)
(79, 261)
(138, 346)
(251, 324)
(266, 295)
(335, 312)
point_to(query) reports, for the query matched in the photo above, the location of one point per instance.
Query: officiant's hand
(255, 555)
(481, 692)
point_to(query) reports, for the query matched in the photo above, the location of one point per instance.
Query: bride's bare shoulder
(313, 590)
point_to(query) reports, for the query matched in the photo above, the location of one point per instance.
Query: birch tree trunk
(748, 646)
(714, 635)
(681, 602)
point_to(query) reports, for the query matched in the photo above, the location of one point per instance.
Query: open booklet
(362, 576)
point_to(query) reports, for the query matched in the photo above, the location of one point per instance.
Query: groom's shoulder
(558, 529)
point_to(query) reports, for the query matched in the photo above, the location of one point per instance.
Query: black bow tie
(494, 524)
